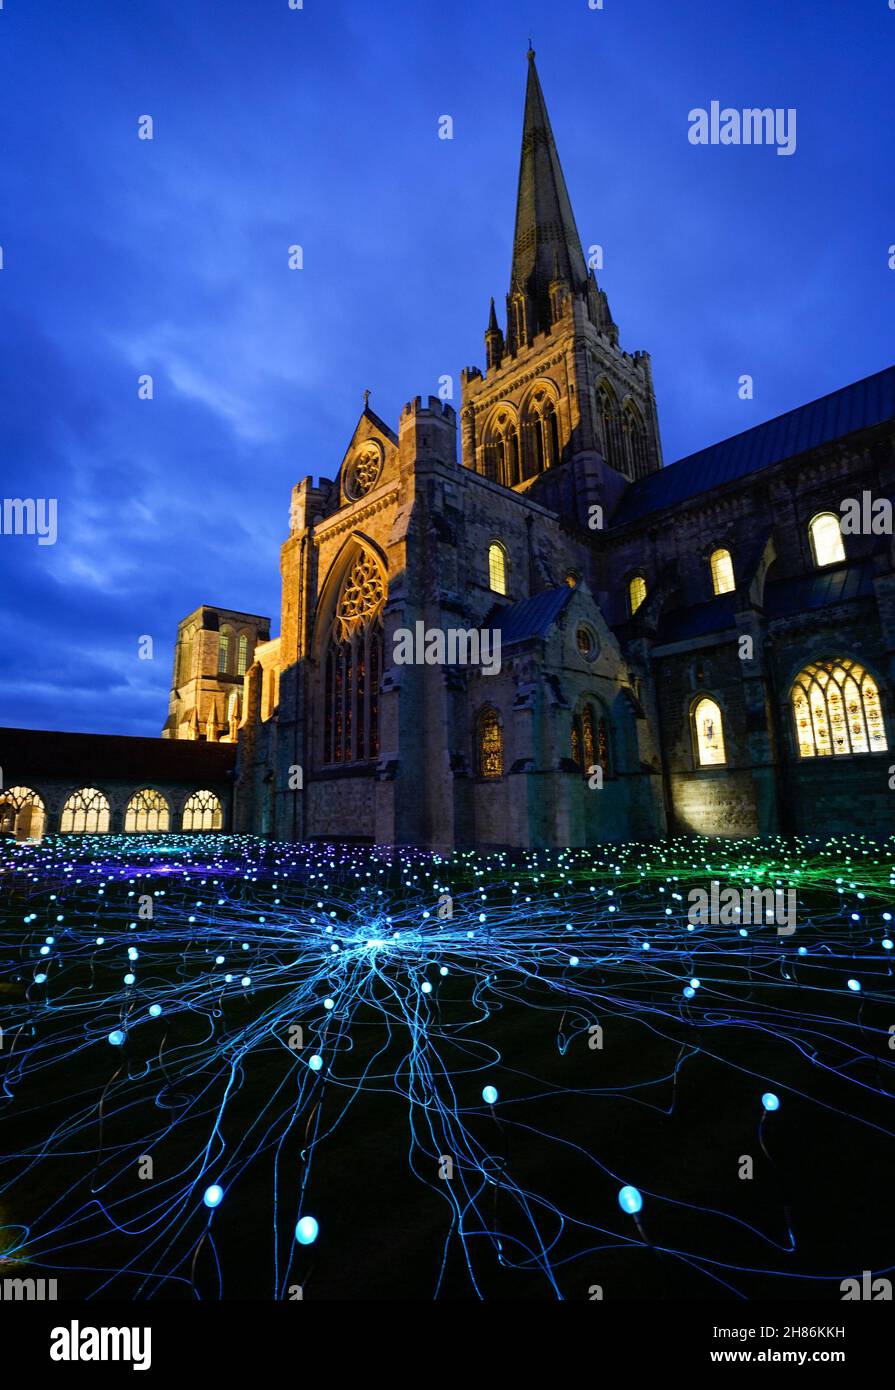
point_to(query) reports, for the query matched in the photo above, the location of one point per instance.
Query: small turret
(494, 344)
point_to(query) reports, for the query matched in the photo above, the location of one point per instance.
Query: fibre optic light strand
(187, 1017)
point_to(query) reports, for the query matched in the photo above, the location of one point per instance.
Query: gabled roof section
(532, 617)
(369, 425)
(859, 406)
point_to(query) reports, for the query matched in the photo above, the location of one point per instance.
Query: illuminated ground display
(235, 1069)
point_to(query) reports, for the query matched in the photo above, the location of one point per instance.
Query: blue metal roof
(819, 589)
(533, 617)
(800, 594)
(860, 406)
(696, 620)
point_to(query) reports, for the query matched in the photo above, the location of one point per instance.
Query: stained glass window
(587, 737)
(722, 572)
(490, 745)
(223, 651)
(837, 710)
(636, 592)
(709, 732)
(243, 655)
(826, 539)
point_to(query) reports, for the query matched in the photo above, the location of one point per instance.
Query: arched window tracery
(147, 811)
(86, 812)
(203, 811)
(353, 665)
(837, 711)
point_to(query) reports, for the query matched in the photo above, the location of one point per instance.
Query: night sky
(320, 126)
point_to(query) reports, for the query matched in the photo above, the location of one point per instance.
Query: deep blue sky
(274, 126)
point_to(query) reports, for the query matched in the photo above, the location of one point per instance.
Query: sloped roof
(532, 617)
(820, 589)
(696, 619)
(861, 405)
(801, 594)
(90, 757)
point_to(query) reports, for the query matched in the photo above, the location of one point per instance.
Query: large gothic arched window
(540, 433)
(836, 708)
(501, 449)
(147, 810)
(86, 812)
(634, 432)
(353, 665)
(203, 811)
(611, 428)
(590, 740)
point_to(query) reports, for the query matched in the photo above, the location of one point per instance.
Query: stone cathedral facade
(690, 648)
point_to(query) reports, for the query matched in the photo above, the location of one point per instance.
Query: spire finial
(531, 48)
(366, 399)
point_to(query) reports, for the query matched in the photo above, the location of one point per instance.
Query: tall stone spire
(546, 246)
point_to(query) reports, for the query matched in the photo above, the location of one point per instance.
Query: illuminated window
(497, 568)
(587, 737)
(203, 811)
(837, 710)
(243, 656)
(223, 651)
(353, 666)
(722, 572)
(709, 733)
(636, 592)
(86, 812)
(22, 813)
(590, 741)
(490, 745)
(147, 810)
(826, 539)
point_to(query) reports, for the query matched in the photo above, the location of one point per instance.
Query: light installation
(206, 1039)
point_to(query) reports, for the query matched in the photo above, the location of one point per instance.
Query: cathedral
(691, 648)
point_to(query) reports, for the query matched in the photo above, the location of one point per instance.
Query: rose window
(365, 473)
